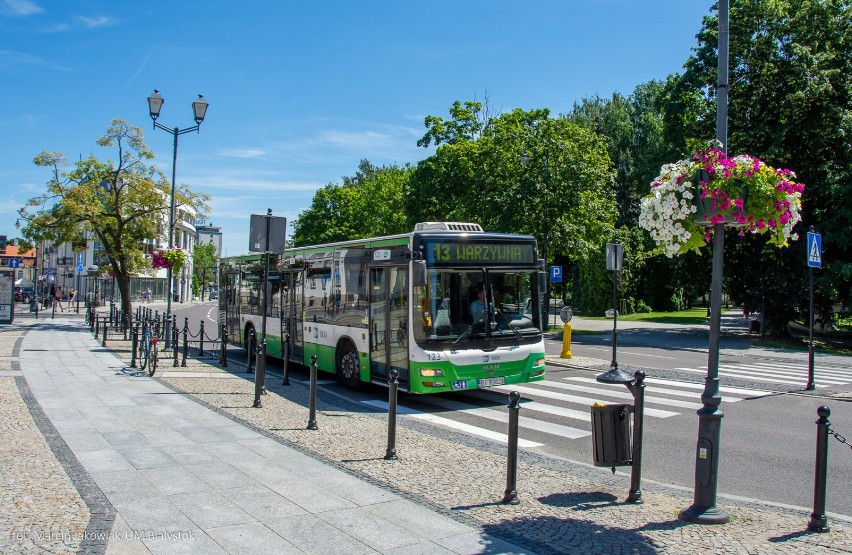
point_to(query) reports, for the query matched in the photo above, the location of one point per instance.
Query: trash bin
(611, 435)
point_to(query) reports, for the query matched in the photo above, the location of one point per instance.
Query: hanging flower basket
(689, 197)
(173, 258)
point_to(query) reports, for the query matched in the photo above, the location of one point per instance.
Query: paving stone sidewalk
(565, 507)
(441, 477)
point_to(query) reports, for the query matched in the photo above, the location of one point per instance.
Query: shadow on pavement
(573, 536)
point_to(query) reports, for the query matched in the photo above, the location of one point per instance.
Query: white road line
(833, 372)
(631, 353)
(748, 375)
(541, 407)
(447, 423)
(588, 401)
(776, 373)
(684, 385)
(623, 395)
(503, 417)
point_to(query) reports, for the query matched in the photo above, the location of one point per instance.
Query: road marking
(685, 385)
(778, 373)
(540, 407)
(623, 395)
(447, 423)
(834, 372)
(588, 401)
(503, 417)
(631, 353)
(749, 375)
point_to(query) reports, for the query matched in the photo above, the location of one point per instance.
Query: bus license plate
(490, 382)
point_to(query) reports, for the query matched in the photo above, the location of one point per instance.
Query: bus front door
(389, 323)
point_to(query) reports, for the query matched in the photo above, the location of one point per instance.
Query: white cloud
(98, 21)
(247, 186)
(242, 152)
(19, 8)
(9, 58)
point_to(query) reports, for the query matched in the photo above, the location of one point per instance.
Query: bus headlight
(431, 372)
(538, 362)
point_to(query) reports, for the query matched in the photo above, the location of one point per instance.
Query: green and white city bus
(410, 302)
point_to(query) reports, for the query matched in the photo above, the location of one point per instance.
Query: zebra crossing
(557, 408)
(788, 373)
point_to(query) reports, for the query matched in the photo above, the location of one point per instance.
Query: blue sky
(300, 92)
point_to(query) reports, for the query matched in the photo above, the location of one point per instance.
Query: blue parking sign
(556, 274)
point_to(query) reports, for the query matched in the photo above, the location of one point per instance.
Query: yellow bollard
(566, 342)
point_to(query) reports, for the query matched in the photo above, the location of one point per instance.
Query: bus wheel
(348, 366)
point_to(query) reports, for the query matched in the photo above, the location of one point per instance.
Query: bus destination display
(446, 253)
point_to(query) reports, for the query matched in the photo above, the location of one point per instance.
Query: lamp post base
(705, 515)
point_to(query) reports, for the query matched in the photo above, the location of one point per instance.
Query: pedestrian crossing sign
(814, 250)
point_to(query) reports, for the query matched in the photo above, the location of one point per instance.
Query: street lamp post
(199, 109)
(703, 509)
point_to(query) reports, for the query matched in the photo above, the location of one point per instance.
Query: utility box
(611, 439)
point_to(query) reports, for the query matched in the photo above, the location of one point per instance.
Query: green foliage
(120, 203)
(562, 194)
(203, 265)
(790, 103)
(368, 204)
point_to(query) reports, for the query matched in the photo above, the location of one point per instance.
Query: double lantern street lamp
(199, 109)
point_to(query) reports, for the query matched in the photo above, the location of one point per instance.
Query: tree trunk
(123, 282)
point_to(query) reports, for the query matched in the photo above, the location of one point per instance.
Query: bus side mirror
(418, 273)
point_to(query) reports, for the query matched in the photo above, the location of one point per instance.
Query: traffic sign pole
(814, 261)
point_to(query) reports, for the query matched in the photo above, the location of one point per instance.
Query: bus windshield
(465, 306)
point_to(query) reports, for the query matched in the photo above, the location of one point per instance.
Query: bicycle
(148, 349)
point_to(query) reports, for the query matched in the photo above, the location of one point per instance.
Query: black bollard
(224, 358)
(819, 522)
(312, 415)
(201, 340)
(250, 351)
(53, 313)
(638, 390)
(286, 362)
(105, 327)
(185, 341)
(174, 347)
(260, 375)
(134, 337)
(510, 496)
(96, 325)
(393, 386)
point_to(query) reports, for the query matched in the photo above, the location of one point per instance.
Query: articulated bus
(449, 306)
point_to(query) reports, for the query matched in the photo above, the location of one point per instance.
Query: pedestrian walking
(71, 296)
(57, 295)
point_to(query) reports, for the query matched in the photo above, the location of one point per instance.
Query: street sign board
(50, 271)
(814, 250)
(14, 262)
(257, 233)
(79, 259)
(614, 256)
(556, 274)
(79, 267)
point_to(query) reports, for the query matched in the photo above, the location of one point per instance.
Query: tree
(119, 203)
(520, 172)
(368, 204)
(203, 266)
(790, 103)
